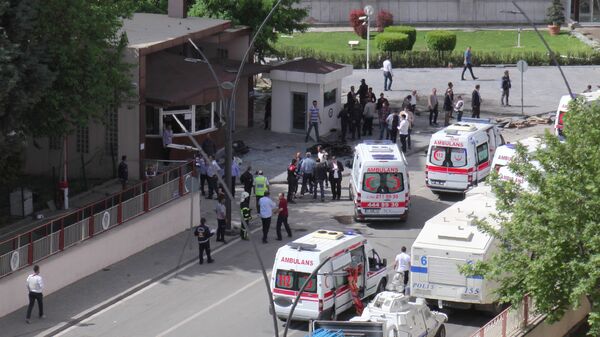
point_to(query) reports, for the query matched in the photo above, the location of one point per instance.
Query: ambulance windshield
(383, 183)
(448, 156)
(292, 280)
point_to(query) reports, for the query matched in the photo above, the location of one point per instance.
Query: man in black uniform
(246, 216)
(248, 180)
(344, 116)
(203, 233)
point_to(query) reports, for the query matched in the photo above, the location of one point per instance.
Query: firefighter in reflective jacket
(203, 233)
(261, 185)
(246, 216)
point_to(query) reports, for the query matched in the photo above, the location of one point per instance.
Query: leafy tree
(286, 19)
(551, 232)
(61, 66)
(150, 6)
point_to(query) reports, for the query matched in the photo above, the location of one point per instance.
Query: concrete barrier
(107, 248)
(564, 325)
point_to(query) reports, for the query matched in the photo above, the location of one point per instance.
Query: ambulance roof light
(330, 235)
(302, 246)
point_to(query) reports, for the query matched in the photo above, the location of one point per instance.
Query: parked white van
(379, 182)
(328, 293)
(563, 108)
(460, 155)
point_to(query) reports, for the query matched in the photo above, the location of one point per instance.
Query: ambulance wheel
(404, 217)
(441, 332)
(381, 286)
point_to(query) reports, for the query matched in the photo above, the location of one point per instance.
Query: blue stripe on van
(415, 269)
(477, 277)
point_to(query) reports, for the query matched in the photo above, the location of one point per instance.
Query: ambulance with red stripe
(379, 184)
(328, 293)
(563, 108)
(460, 155)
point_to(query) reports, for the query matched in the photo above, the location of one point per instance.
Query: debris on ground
(510, 123)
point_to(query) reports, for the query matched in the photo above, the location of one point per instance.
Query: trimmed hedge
(408, 30)
(389, 42)
(440, 40)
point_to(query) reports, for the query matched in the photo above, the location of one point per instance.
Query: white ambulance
(379, 182)
(448, 241)
(563, 107)
(460, 155)
(506, 152)
(328, 293)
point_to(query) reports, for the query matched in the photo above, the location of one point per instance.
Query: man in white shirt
(266, 212)
(458, 108)
(35, 285)
(403, 131)
(387, 75)
(402, 267)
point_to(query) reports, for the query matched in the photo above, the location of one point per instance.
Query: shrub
(555, 15)
(389, 42)
(440, 40)
(384, 19)
(408, 30)
(357, 24)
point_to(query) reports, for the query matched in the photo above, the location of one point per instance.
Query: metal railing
(68, 230)
(510, 321)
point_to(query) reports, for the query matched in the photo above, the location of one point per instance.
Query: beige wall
(92, 255)
(560, 328)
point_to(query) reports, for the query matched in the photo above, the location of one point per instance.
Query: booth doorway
(586, 11)
(299, 108)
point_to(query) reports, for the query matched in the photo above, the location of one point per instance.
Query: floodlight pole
(368, 39)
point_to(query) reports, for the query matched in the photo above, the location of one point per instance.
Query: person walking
(403, 131)
(448, 104)
(267, 113)
(344, 116)
(247, 179)
(459, 107)
(368, 115)
(35, 288)
(363, 93)
(335, 177)
(235, 172)
(203, 233)
(387, 74)
(476, 102)
(261, 186)
(282, 217)
(402, 267)
(221, 218)
(383, 115)
(314, 119)
(320, 177)
(266, 212)
(468, 58)
(245, 215)
(292, 181)
(432, 105)
(393, 121)
(201, 167)
(307, 169)
(211, 171)
(123, 172)
(505, 86)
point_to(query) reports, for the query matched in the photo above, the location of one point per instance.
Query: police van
(460, 155)
(379, 182)
(563, 108)
(448, 241)
(328, 293)
(505, 153)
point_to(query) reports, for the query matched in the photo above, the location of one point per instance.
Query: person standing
(221, 220)
(307, 169)
(123, 172)
(476, 102)
(356, 117)
(212, 171)
(402, 266)
(267, 113)
(248, 180)
(261, 186)
(387, 74)
(505, 86)
(320, 177)
(351, 97)
(246, 215)
(314, 119)
(335, 176)
(458, 108)
(468, 58)
(35, 287)
(203, 234)
(363, 92)
(432, 105)
(383, 115)
(403, 131)
(208, 146)
(167, 139)
(344, 116)
(322, 156)
(410, 117)
(393, 121)
(292, 181)
(266, 212)
(282, 218)
(201, 167)
(368, 115)
(413, 102)
(448, 104)
(235, 172)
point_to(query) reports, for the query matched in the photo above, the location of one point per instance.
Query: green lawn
(480, 41)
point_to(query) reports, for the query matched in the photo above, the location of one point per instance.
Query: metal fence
(510, 321)
(66, 231)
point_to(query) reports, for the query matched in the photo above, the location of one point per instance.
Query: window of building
(195, 118)
(152, 120)
(330, 97)
(83, 139)
(111, 134)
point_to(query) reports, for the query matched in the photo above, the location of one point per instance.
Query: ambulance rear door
(384, 189)
(447, 167)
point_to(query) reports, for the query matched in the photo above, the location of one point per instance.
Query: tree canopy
(550, 231)
(61, 65)
(286, 19)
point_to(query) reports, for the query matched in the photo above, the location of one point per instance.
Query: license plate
(382, 210)
(436, 182)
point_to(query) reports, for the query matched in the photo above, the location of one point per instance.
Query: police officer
(261, 185)
(203, 233)
(245, 215)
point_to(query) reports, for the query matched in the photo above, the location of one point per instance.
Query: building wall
(282, 104)
(129, 121)
(332, 121)
(429, 11)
